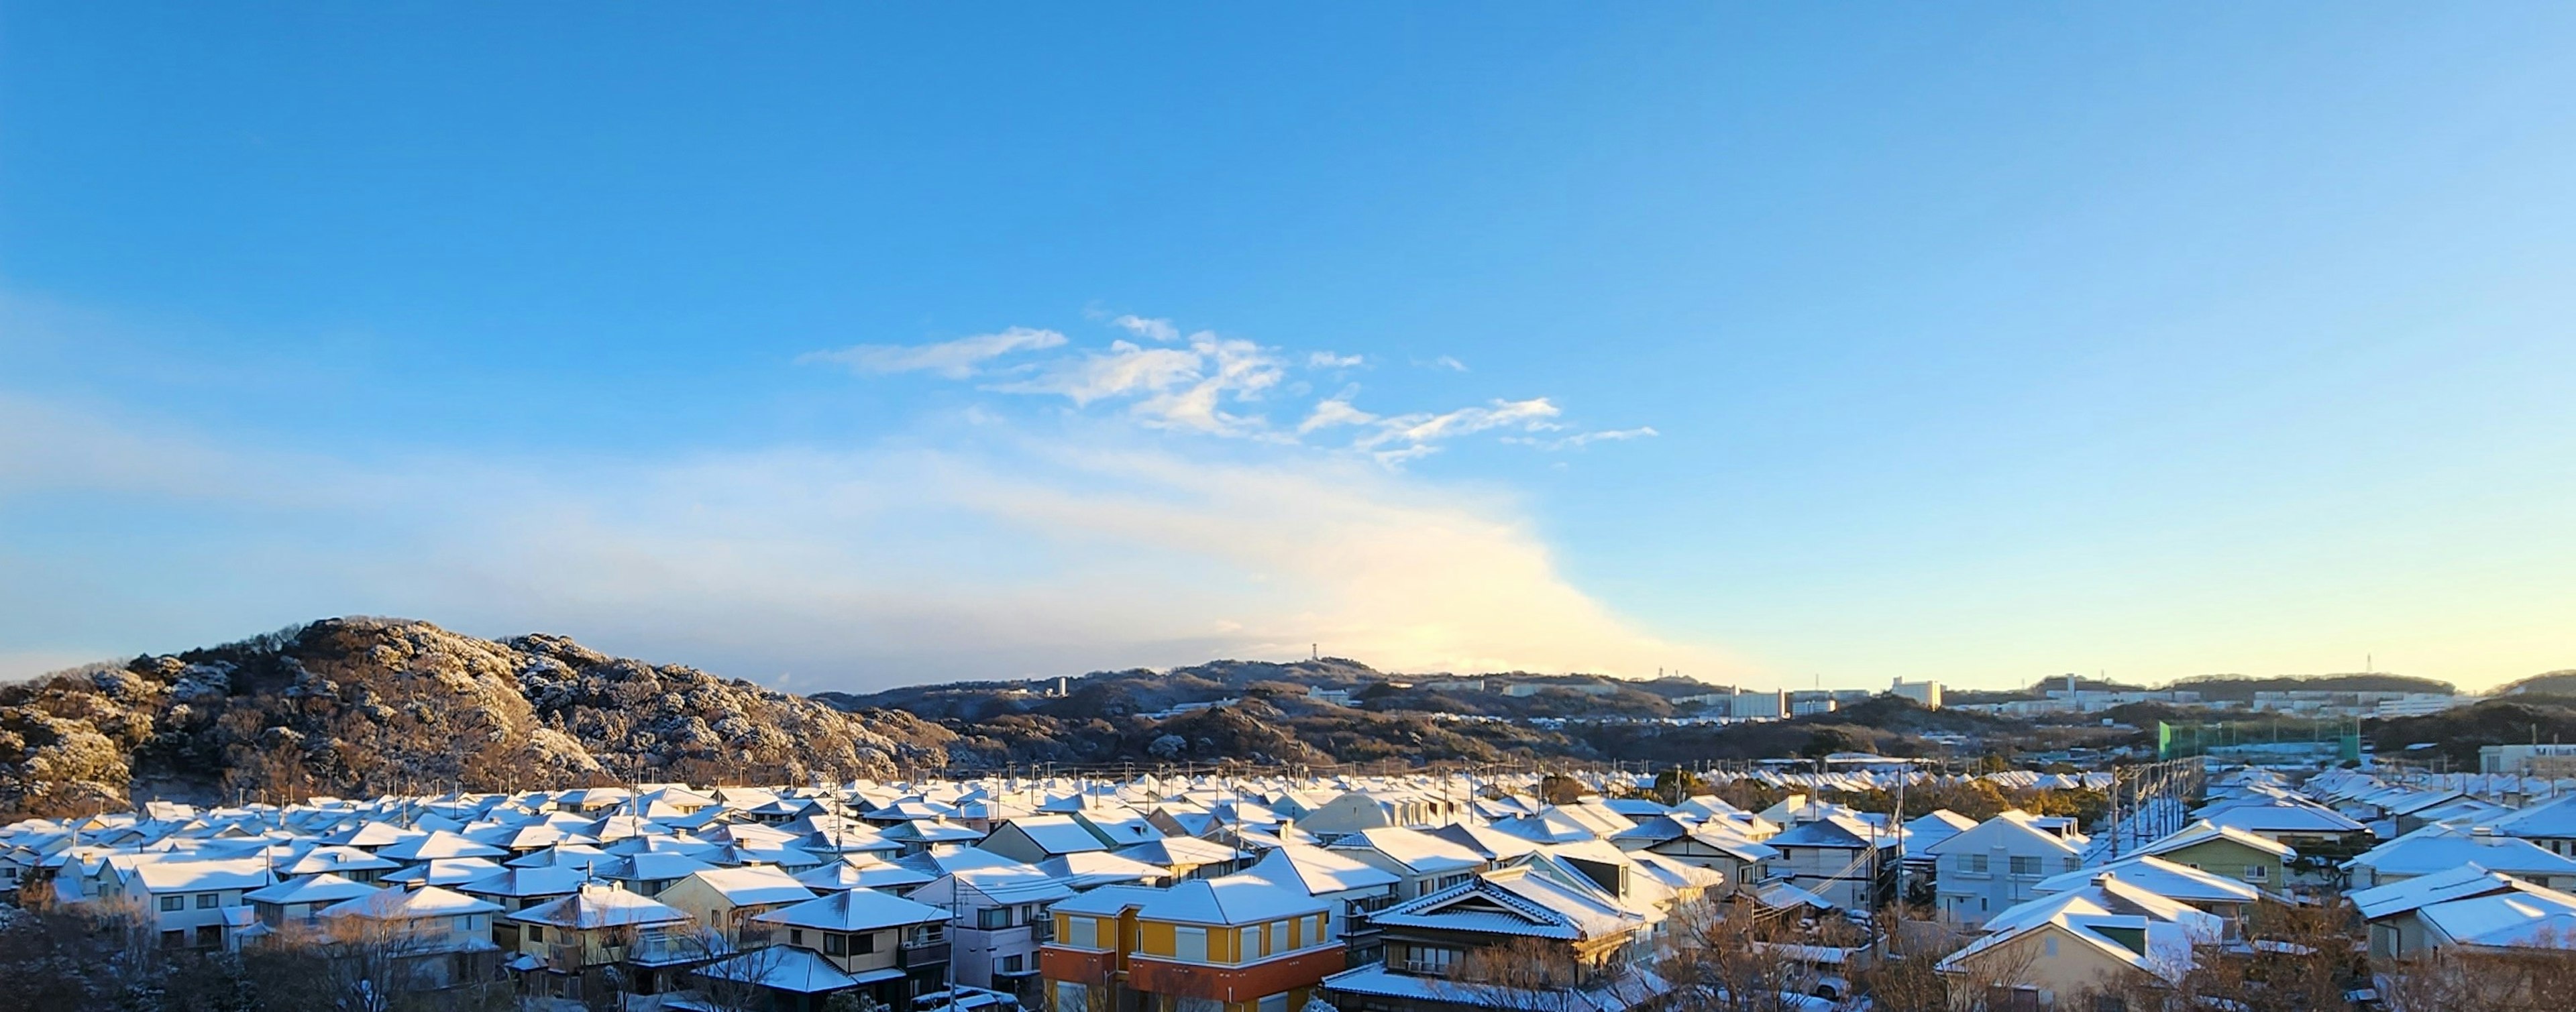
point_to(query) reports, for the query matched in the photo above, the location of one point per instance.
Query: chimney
(2104, 878)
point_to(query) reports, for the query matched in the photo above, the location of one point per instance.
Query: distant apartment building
(2527, 760)
(1771, 705)
(1812, 701)
(2420, 704)
(1924, 694)
(1523, 690)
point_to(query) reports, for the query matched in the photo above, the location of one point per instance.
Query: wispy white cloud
(1582, 439)
(1125, 369)
(1335, 410)
(1147, 328)
(1046, 550)
(957, 359)
(1206, 383)
(1444, 362)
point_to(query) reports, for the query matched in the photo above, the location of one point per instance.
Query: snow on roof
(1229, 900)
(1318, 871)
(1511, 901)
(2159, 876)
(2425, 890)
(854, 910)
(553, 880)
(861, 869)
(599, 906)
(203, 876)
(1179, 851)
(2204, 831)
(2281, 817)
(441, 843)
(754, 885)
(2107, 897)
(1089, 870)
(1413, 848)
(785, 967)
(2540, 918)
(1057, 834)
(395, 904)
(322, 888)
(2439, 848)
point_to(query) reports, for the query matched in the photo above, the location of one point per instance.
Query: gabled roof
(1230, 900)
(854, 910)
(1510, 901)
(1414, 849)
(2439, 848)
(785, 967)
(1318, 871)
(2159, 876)
(323, 888)
(2204, 831)
(862, 870)
(1093, 869)
(1057, 834)
(598, 906)
(397, 905)
(2425, 890)
(203, 876)
(1178, 851)
(755, 885)
(520, 883)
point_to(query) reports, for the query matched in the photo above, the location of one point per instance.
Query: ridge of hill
(372, 705)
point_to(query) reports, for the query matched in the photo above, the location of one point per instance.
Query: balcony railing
(924, 954)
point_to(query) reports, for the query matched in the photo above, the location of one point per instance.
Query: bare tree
(1721, 961)
(1525, 974)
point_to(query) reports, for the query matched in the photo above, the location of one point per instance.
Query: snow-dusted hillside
(363, 705)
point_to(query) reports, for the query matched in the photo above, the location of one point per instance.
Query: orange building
(1230, 944)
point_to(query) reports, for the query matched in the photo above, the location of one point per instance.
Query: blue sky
(835, 347)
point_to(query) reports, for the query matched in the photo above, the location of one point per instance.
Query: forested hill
(359, 705)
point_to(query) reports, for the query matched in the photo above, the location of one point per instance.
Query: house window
(993, 918)
(1082, 932)
(795, 936)
(1273, 1003)
(2256, 873)
(1014, 963)
(1072, 997)
(2048, 946)
(2072, 863)
(206, 901)
(1278, 937)
(2025, 866)
(536, 933)
(867, 943)
(1190, 944)
(210, 936)
(174, 903)
(1248, 945)
(1972, 862)
(836, 944)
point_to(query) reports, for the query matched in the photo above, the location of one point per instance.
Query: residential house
(1358, 889)
(190, 904)
(1238, 943)
(1433, 943)
(1847, 860)
(2442, 848)
(2227, 852)
(996, 916)
(1421, 862)
(297, 903)
(2463, 906)
(1033, 838)
(424, 939)
(724, 900)
(567, 944)
(2106, 937)
(1994, 865)
(892, 948)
